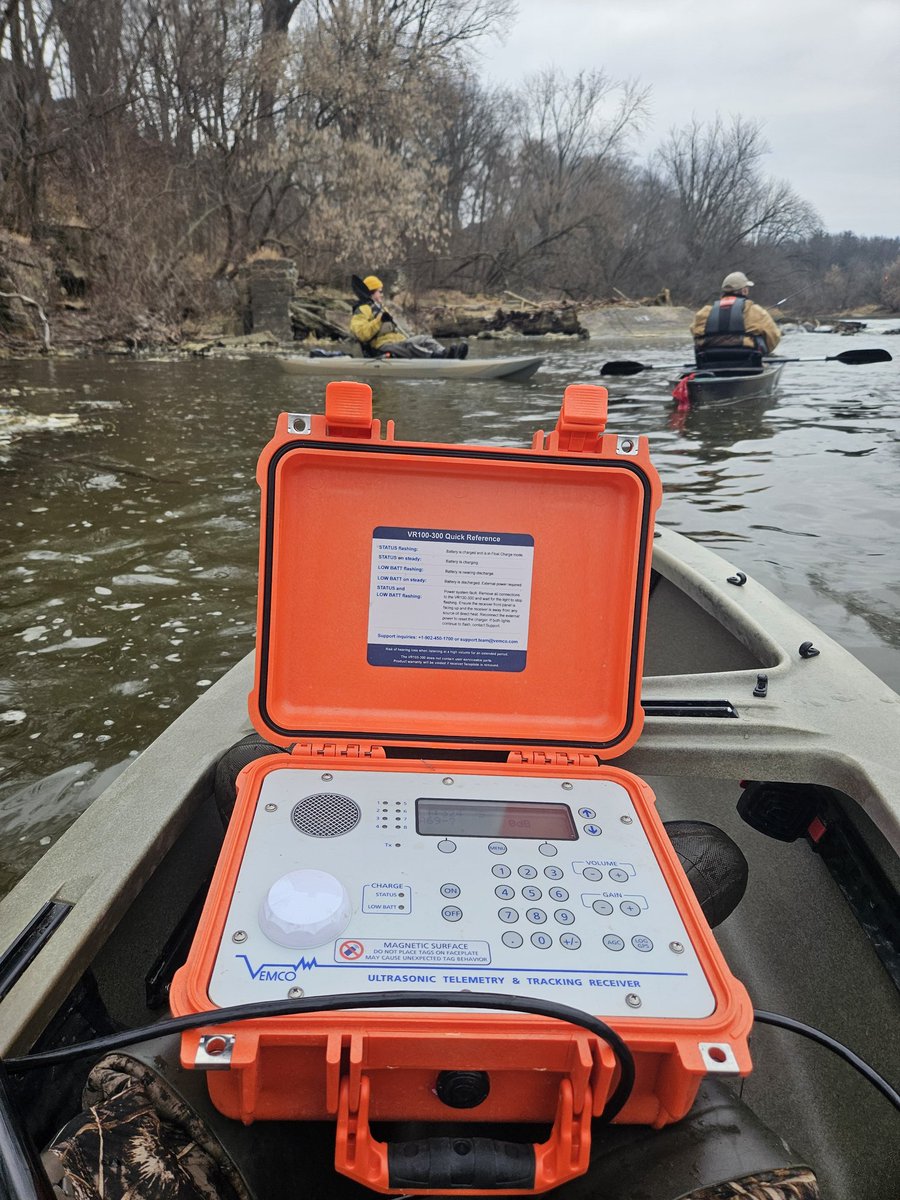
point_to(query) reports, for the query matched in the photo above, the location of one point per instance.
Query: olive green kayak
(346, 366)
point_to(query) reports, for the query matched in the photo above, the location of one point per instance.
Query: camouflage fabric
(136, 1140)
(786, 1183)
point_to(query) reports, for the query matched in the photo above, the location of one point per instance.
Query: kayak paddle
(852, 358)
(849, 357)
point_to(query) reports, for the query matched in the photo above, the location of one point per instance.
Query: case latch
(582, 419)
(348, 410)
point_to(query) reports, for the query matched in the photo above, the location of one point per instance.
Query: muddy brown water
(129, 534)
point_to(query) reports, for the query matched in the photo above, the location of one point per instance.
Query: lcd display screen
(494, 819)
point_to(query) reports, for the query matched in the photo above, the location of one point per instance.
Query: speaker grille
(326, 814)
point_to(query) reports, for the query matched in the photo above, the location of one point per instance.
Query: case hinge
(557, 758)
(337, 750)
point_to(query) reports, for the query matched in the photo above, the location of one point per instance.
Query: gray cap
(735, 281)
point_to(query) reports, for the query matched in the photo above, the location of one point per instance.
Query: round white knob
(305, 908)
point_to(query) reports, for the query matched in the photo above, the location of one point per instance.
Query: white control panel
(361, 881)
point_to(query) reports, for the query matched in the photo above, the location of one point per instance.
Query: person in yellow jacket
(377, 333)
(734, 329)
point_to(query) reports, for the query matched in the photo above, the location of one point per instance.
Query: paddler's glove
(386, 318)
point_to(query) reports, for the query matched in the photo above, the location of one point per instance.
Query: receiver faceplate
(518, 884)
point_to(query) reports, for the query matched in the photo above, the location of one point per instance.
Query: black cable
(311, 1004)
(823, 1039)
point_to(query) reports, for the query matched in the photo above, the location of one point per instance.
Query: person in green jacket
(377, 332)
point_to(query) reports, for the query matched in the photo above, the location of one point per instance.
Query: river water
(130, 509)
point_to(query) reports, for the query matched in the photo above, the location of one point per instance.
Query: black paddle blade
(858, 357)
(623, 368)
(359, 289)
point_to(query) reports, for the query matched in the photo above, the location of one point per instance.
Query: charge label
(387, 898)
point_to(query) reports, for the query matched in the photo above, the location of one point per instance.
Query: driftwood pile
(326, 315)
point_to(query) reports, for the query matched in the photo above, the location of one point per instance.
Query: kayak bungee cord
(547, 1008)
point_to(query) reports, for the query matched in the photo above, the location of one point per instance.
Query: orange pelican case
(450, 641)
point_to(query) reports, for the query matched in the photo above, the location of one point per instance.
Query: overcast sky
(821, 76)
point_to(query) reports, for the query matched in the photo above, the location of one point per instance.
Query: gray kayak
(730, 384)
(349, 367)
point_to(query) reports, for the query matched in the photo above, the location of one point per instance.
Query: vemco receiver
(450, 640)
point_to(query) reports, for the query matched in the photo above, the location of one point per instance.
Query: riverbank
(263, 311)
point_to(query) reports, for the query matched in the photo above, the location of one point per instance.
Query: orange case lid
(550, 545)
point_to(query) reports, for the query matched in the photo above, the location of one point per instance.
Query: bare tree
(570, 137)
(725, 203)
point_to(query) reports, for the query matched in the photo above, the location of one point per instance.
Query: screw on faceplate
(626, 820)
(295, 993)
(738, 579)
(808, 650)
(567, 787)
(271, 808)
(447, 781)
(676, 947)
(633, 1000)
(239, 936)
(327, 777)
(762, 684)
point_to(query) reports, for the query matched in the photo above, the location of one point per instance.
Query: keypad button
(630, 909)
(587, 813)
(531, 892)
(512, 939)
(618, 875)
(570, 941)
(501, 871)
(612, 941)
(446, 846)
(564, 916)
(641, 942)
(553, 872)
(592, 830)
(603, 907)
(508, 916)
(528, 872)
(559, 894)
(451, 913)
(592, 873)
(450, 891)
(504, 892)
(548, 850)
(536, 916)
(543, 941)
(497, 847)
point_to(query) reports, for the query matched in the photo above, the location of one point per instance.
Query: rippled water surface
(129, 542)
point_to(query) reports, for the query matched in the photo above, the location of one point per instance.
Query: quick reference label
(449, 598)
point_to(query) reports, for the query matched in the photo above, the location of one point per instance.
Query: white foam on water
(137, 580)
(74, 643)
